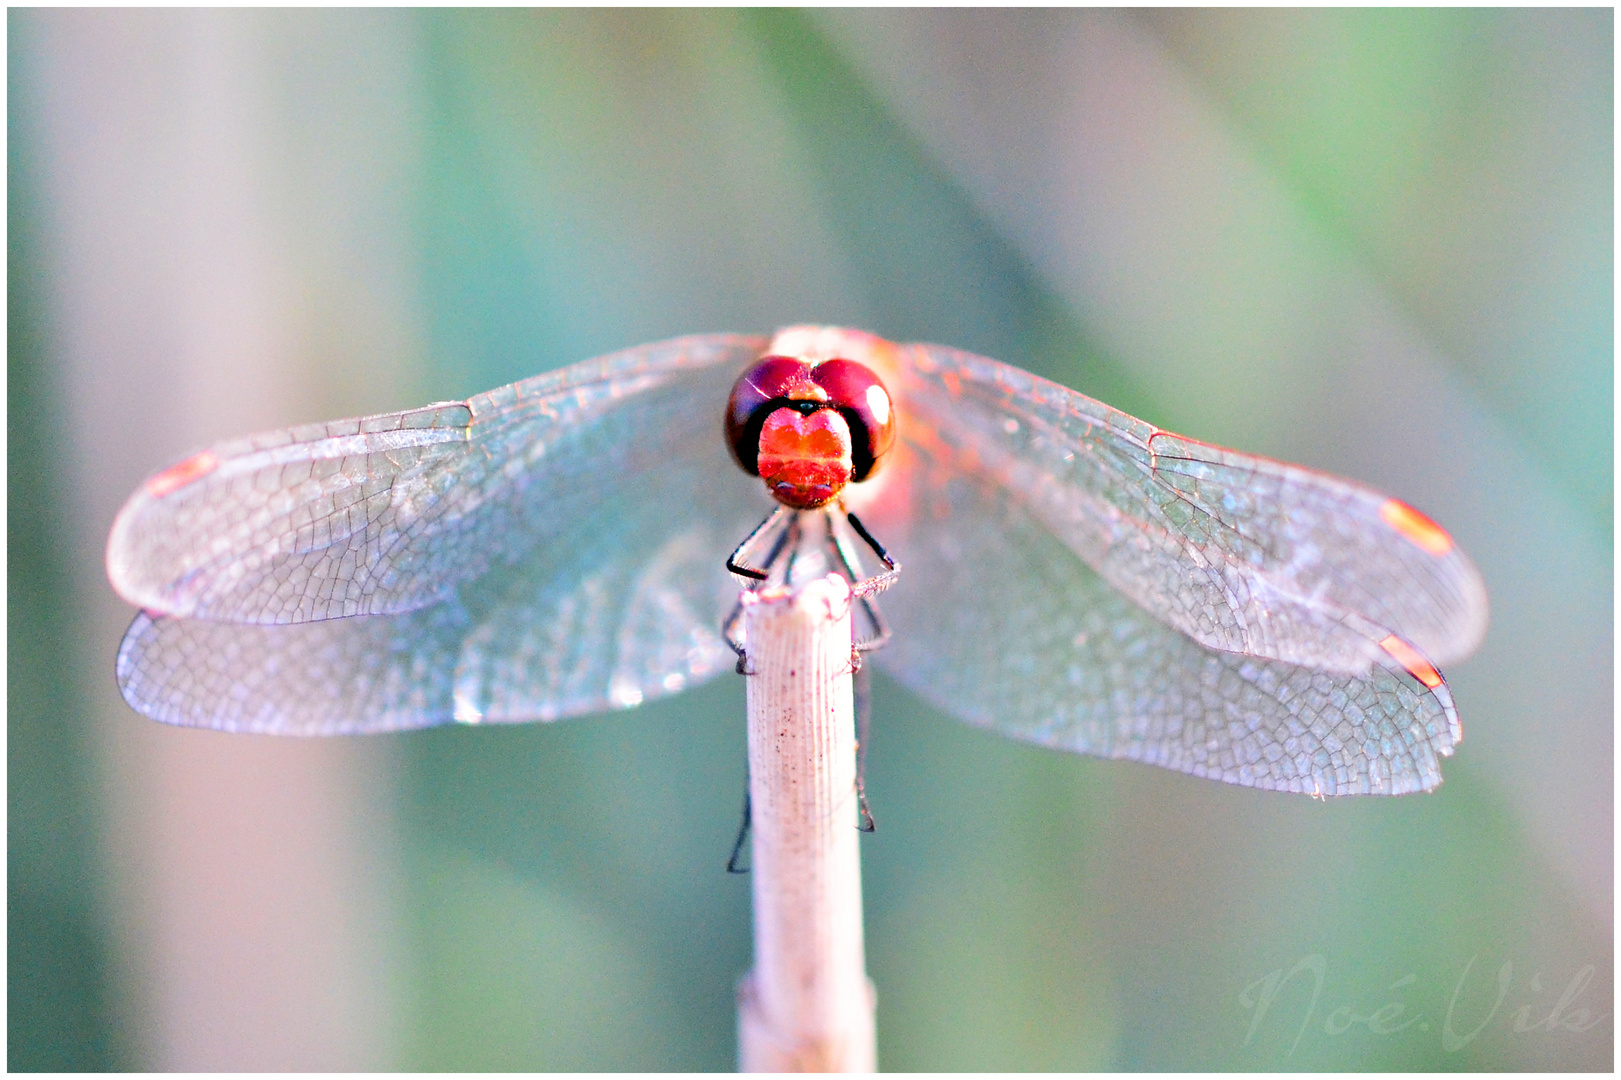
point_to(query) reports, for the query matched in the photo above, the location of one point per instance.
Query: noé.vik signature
(1462, 1022)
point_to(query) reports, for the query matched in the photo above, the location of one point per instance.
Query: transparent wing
(626, 620)
(594, 581)
(1241, 553)
(386, 514)
(1000, 623)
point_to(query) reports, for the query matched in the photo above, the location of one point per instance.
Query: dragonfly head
(808, 429)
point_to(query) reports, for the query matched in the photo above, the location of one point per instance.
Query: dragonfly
(1074, 577)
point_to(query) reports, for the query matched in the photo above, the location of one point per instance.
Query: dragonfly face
(1075, 577)
(807, 428)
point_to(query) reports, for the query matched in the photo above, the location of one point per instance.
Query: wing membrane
(1074, 577)
(1241, 553)
(390, 513)
(599, 586)
(539, 642)
(1062, 659)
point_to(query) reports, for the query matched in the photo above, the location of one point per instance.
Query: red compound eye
(759, 391)
(864, 403)
(774, 431)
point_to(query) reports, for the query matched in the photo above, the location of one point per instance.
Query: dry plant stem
(807, 1006)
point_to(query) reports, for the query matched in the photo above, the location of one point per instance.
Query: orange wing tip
(1416, 527)
(1412, 660)
(178, 476)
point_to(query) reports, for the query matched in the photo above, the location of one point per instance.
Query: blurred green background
(1379, 243)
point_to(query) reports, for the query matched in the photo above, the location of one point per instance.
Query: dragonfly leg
(734, 864)
(791, 541)
(880, 635)
(863, 694)
(877, 548)
(736, 564)
(878, 582)
(742, 569)
(728, 632)
(863, 587)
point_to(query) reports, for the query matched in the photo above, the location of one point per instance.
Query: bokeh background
(1379, 243)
